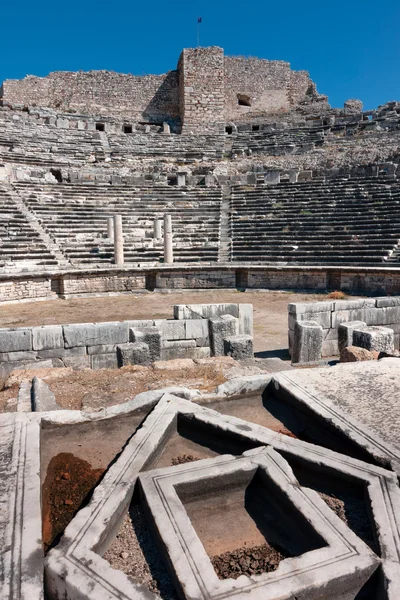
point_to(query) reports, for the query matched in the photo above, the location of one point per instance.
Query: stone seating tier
(342, 222)
(75, 218)
(20, 245)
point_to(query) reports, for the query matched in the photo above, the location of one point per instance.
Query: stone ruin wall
(203, 91)
(201, 82)
(151, 97)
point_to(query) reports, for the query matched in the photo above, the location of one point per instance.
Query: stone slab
(94, 334)
(104, 361)
(47, 337)
(15, 340)
(43, 398)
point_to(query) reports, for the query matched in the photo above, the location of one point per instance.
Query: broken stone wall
(152, 97)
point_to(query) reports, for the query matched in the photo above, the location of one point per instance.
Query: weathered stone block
(245, 319)
(62, 352)
(104, 361)
(47, 337)
(15, 340)
(196, 328)
(356, 354)
(173, 330)
(380, 339)
(136, 353)
(77, 362)
(152, 337)
(329, 348)
(345, 333)
(102, 349)
(43, 398)
(13, 356)
(298, 308)
(221, 328)
(184, 352)
(94, 334)
(239, 346)
(307, 343)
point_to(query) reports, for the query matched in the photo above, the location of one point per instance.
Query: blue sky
(351, 49)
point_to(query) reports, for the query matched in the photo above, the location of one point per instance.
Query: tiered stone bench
(331, 222)
(75, 217)
(20, 245)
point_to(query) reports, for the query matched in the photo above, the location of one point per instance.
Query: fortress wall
(151, 97)
(265, 82)
(201, 93)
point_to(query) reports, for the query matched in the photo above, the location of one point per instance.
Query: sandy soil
(270, 311)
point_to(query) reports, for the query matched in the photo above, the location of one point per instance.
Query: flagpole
(199, 19)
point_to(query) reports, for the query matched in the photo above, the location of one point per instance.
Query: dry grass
(337, 295)
(106, 387)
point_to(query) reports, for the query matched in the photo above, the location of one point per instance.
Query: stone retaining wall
(191, 334)
(16, 287)
(330, 314)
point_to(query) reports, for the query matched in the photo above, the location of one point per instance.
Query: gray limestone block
(102, 349)
(151, 336)
(380, 339)
(307, 342)
(388, 301)
(196, 328)
(204, 311)
(17, 356)
(47, 337)
(392, 315)
(345, 333)
(246, 319)
(15, 340)
(173, 330)
(239, 346)
(76, 362)
(179, 344)
(62, 352)
(221, 328)
(205, 342)
(322, 318)
(24, 399)
(329, 348)
(104, 361)
(140, 323)
(354, 304)
(299, 308)
(95, 334)
(136, 353)
(184, 352)
(43, 398)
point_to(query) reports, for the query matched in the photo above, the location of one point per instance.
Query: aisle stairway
(343, 222)
(21, 246)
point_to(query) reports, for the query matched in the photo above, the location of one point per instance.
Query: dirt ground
(270, 311)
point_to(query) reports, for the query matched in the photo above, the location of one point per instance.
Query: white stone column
(118, 241)
(168, 252)
(110, 228)
(157, 229)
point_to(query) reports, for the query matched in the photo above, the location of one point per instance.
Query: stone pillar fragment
(118, 241)
(345, 333)
(110, 228)
(168, 251)
(307, 343)
(239, 347)
(157, 229)
(166, 128)
(293, 176)
(220, 329)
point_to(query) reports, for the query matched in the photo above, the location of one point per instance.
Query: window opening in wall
(173, 180)
(228, 130)
(244, 100)
(127, 128)
(100, 127)
(255, 128)
(57, 174)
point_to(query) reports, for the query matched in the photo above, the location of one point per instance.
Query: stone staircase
(343, 222)
(74, 216)
(22, 246)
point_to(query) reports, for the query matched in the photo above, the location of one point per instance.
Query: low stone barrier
(191, 334)
(329, 315)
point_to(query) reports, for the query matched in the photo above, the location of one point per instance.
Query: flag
(199, 19)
